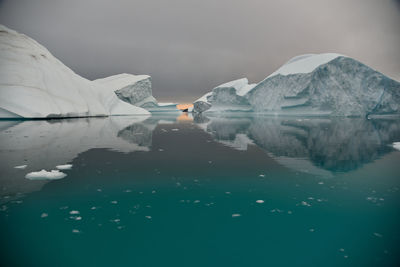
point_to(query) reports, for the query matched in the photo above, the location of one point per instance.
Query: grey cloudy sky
(189, 46)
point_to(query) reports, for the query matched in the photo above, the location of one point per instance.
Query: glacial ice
(35, 84)
(310, 85)
(229, 96)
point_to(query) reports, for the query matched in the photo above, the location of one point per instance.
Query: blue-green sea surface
(213, 191)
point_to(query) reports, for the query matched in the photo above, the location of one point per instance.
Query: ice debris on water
(44, 215)
(21, 167)
(64, 167)
(45, 175)
(260, 201)
(236, 215)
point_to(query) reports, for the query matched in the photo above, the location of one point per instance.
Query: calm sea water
(213, 191)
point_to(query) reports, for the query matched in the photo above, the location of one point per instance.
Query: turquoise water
(213, 191)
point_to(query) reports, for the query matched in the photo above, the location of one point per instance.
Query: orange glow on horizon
(184, 106)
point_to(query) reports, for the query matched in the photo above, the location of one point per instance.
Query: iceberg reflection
(318, 146)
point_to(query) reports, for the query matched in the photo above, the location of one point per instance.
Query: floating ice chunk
(148, 217)
(236, 215)
(262, 175)
(396, 145)
(175, 130)
(64, 167)
(196, 201)
(45, 175)
(44, 215)
(21, 167)
(75, 231)
(114, 202)
(260, 201)
(72, 212)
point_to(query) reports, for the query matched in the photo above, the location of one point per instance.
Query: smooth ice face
(34, 84)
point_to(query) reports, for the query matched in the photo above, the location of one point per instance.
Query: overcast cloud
(188, 46)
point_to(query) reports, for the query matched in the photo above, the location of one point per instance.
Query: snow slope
(35, 84)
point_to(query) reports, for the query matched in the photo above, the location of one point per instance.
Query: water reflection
(45, 144)
(318, 146)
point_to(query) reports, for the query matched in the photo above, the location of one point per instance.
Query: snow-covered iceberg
(314, 84)
(136, 90)
(35, 84)
(225, 97)
(326, 84)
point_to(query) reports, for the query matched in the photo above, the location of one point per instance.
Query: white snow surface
(45, 175)
(305, 63)
(119, 81)
(35, 84)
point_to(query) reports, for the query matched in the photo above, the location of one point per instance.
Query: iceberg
(35, 84)
(326, 84)
(229, 96)
(136, 90)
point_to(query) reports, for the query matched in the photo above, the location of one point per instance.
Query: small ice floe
(74, 212)
(93, 208)
(76, 218)
(164, 130)
(289, 212)
(175, 129)
(396, 145)
(45, 175)
(261, 175)
(154, 191)
(64, 167)
(44, 215)
(99, 190)
(148, 217)
(128, 191)
(196, 201)
(260, 201)
(320, 182)
(377, 235)
(209, 161)
(75, 231)
(305, 203)
(228, 193)
(341, 249)
(236, 215)
(161, 150)
(21, 167)
(114, 202)
(312, 230)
